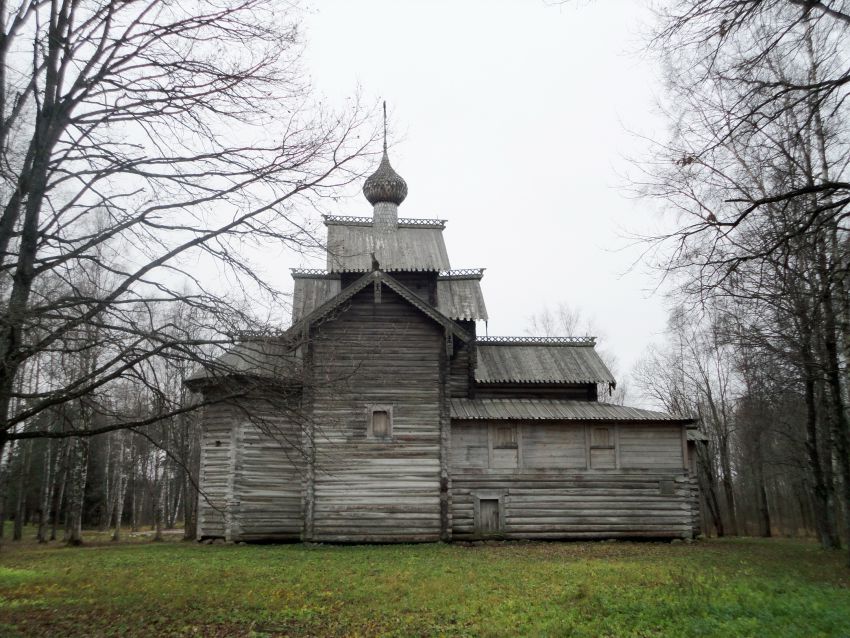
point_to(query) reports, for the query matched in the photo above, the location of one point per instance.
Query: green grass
(711, 588)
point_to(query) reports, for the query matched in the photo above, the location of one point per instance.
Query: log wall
(251, 471)
(553, 492)
(380, 353)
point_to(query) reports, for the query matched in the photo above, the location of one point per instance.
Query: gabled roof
(459, 294)
(403, 291)
(553, 410)
(270, 357)
(539, 360)
(416, 245)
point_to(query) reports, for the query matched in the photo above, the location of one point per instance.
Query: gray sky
(512, 120)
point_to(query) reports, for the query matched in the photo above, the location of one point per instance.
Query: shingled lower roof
(264, 358)
(552, 410)
(545, 362)
(412, 246)
(461, 298)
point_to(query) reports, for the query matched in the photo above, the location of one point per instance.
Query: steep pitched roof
(553, 410)
(311, 290)
(539, 360)
(459, 294)
(403, 291)
(416, 245)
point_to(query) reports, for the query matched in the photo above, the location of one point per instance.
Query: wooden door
(488, 519)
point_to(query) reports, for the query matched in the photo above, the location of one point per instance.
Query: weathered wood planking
(215, 475)
(385, 354)
(251, 471)
(552, 493)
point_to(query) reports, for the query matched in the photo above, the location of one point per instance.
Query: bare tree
(147, 147)
(569, 321)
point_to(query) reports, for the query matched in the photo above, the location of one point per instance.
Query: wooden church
(381, 416)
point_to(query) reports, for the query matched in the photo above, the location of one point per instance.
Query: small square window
(380, 421)
(504, 437)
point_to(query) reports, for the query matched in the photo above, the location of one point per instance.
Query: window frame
(613, 444)
(370, 421)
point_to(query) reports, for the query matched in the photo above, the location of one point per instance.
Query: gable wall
(368, 489)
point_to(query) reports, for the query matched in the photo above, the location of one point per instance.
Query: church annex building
(380, 415)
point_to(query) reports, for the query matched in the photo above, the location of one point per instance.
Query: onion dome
(385, 185)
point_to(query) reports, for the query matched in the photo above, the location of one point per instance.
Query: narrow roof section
(554, 410)
(416, 245)
(459, 294)
(267, 358)
(540, 360)
(311, 290)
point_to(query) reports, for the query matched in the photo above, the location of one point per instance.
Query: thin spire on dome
(385, 127)
(385, 185)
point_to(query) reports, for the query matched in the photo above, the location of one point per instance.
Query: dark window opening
(380, 423)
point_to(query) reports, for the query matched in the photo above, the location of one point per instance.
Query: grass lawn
(741, 587)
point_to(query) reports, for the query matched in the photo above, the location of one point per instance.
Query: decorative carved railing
(310, 272)
(463, 273)
(581, 341)
(349, 220)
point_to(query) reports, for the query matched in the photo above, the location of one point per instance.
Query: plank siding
(653, 447)
(459, 372)
(553, 494)
(215, 470)
(385, 353)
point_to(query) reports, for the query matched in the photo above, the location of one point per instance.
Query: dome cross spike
(385, 186)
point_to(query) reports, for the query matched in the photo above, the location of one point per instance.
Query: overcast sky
(511, 120)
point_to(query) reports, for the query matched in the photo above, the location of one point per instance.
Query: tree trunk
(59, 490)
(120, 488)
(728, 492)
(76, 502)
(21, 504)
(821, 492)
(106, 501)
(159, 505)
(46, 492)
(4, 479)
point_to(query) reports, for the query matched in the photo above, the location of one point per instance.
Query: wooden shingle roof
(264, 358)
(553, 410)
(459, 295)
(526, 360)
(311, 290)
(416, 245)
